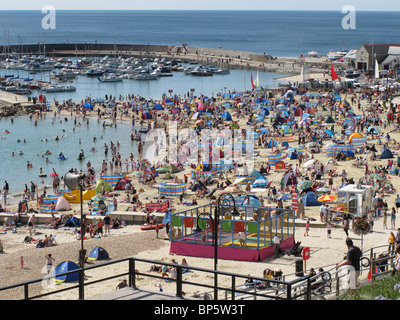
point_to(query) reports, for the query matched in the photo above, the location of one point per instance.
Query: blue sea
(277, 33)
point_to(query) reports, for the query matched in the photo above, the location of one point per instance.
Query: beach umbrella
(327, 198)
(305, 184)
(311, 144)
(309, 163)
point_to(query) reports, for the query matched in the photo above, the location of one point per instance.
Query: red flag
(334, 75)
(252, 83)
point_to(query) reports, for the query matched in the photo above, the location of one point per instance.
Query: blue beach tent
(226, 116)
(63, 267)
(158, 107)
(72, 222)
(310, 199)
(98, 253)
(386, 154)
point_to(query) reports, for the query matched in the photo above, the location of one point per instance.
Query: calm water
(14, 168)
(279, 33)
(180, 84)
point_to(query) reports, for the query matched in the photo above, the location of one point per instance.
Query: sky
(337, 5)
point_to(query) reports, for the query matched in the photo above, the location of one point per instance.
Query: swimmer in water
(20, 153)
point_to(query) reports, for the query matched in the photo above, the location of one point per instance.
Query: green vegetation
(386, 288)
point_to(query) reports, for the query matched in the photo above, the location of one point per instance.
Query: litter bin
(299, 267)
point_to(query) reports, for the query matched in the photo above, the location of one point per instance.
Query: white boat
(60, 89)
(336, 55)
(144, 76)
(313, 54)
(110, 78)
(222, 71)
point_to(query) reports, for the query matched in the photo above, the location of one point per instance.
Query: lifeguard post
(188, 239)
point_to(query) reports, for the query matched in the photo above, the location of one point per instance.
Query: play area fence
(248, 237)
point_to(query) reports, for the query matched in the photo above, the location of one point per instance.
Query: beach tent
(98, 253)
(280, 165)
(292, 156)
(386, 154)
(158, 107)
(198, 185)
(260, 182)
(310, 199)
(88, 106)
(100, 184)
(264, 112)
(272, 143)
(329, 119)
(251, 201)
(121, 184)
(226, 116)
(146, 115)
(62, 204)
(72, 222)
(355, 135)
(372, 130)
(63, 267)
(171, 168)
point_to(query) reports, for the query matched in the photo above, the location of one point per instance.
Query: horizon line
(257, 10)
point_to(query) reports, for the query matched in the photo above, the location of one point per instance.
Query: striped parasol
(327, 198)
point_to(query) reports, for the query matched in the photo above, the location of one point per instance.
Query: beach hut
(386, 154)
(63, 267)
(62, 204)
(98, 253)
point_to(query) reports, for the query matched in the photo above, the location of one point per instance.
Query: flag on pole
(295, 205)
(334, 75)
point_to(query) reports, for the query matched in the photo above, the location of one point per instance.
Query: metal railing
(305, 287)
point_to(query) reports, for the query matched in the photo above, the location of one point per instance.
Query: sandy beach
(131, 241)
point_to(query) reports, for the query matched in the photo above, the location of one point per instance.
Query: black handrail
(131, 273)
(290, 289)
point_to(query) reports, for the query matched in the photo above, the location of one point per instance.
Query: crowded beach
(305, 143)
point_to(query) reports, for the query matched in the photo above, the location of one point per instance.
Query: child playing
(307, 228)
